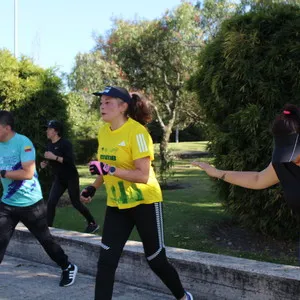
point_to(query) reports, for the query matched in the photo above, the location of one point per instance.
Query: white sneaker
(68, 275)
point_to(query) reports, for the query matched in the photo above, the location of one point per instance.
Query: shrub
(246, 74)
(86, 150)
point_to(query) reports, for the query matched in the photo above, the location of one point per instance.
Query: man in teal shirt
(22, 198)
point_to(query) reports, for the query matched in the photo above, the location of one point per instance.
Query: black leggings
(58, 188)
(34, 218)
(118, 225)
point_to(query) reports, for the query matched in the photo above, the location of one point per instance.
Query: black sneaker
(91, 228)
(68, 275)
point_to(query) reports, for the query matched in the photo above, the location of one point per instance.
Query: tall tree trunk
(163, 152)
(177, 135)
(163, 147)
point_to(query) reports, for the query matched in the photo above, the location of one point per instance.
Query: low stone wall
(207, 276)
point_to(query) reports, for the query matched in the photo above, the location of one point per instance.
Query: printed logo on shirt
(27, 148)
(108, 157)
(122, 143)
(110, 150)
(141, 143)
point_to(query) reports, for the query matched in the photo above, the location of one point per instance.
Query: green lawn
(189, 213)
(185, 146)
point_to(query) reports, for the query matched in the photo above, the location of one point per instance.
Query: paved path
(21, 279)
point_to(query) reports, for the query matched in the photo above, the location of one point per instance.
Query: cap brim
(98, 93)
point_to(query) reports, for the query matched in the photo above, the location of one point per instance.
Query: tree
(246, 5)
(157, 58)
(92, 72)
(245, 76)
(213, 13)
(84, 123)
(76, 109)
(33, 95)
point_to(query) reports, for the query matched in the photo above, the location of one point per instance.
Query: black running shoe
(68, 275)
(92, 228)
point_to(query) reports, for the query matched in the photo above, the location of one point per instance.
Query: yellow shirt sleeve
(142, 144)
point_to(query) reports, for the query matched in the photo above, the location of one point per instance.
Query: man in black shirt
(59, 154)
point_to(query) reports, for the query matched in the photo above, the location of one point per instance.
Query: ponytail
(288, 121)
(139, 109)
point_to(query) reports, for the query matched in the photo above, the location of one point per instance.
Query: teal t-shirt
(13, 153)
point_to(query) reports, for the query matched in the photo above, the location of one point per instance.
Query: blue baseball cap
(55, 125)
(115, 92)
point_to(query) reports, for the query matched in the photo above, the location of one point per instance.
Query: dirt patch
(229, 235)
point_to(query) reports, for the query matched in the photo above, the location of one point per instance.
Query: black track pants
(58, 188)
(118, 225)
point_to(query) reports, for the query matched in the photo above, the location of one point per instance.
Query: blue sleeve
(27, 150)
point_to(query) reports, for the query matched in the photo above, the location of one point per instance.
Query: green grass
(184, 146)
(189, 213)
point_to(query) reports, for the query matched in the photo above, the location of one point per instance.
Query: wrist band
(56, 158)
(3, 172)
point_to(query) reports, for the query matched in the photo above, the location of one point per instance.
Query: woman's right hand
(85, 199)
(44, 164)
(210, 170)
(87, 194)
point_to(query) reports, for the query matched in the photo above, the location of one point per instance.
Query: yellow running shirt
(119, 148)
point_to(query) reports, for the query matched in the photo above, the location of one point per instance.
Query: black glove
(89, 191)
(99, 168)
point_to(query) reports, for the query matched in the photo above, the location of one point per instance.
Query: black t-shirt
(286, 149)
(289, 177)
(63, 148)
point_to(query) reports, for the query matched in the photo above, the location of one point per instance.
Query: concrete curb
(207, 276)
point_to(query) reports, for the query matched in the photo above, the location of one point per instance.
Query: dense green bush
(85, 122)
(34, 96)
(194, 132)
(245, 76)
(86, 150)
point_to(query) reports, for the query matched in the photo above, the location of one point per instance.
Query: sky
(52, 32)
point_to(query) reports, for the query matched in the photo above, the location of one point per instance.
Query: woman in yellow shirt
(134, 197)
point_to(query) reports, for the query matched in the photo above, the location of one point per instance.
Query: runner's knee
(158, 262)
(108, 257)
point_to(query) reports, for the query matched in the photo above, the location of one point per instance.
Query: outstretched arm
(251, 180)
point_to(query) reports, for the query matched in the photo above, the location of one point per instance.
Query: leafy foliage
(91, 73)
(157, 57)
(245, 76)
(34, 96)
(84, 124)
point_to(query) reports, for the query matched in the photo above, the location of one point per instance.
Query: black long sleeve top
(63, 148)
